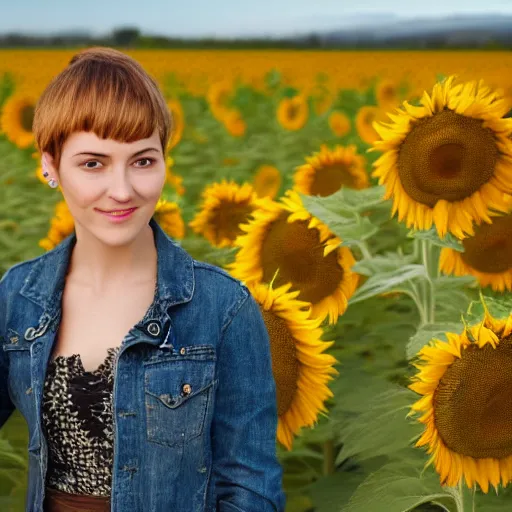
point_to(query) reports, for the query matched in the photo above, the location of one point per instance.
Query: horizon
(225, 19)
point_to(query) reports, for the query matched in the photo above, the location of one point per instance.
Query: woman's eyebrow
(101, 154)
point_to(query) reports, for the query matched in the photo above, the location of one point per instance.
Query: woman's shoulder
(214, 278)
(214, 272)
(20, 270)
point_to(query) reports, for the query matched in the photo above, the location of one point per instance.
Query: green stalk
(429, 261)
(329, 466)
(363, 246)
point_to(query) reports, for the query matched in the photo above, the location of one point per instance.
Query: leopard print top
(77, 419)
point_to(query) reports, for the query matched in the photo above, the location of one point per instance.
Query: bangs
(112, 97)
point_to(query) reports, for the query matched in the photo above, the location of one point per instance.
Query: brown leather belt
(59, 501)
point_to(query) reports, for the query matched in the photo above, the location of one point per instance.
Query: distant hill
(454, 30)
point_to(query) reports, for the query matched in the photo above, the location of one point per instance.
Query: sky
(223, 18)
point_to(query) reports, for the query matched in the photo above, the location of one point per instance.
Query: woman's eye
(87, 166)
(150, 160)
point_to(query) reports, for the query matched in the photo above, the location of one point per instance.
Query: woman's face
(103, 174)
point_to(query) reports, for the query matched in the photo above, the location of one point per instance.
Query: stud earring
(51, 181)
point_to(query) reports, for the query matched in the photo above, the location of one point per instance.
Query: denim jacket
(211, 448)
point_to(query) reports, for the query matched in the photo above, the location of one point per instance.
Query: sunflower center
(331, 178)
(447, 156)
(285, 366)
(27, 117)
(298, 254)
(473, 403)
(446, 160)
(369, 118)
(227, 219)
(490, 249)
(293, 110)
(387, 93)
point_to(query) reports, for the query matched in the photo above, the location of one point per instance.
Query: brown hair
(104, 91)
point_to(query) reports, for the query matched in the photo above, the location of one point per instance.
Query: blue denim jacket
(211, 449)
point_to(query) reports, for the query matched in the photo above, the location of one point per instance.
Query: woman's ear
(48, 167)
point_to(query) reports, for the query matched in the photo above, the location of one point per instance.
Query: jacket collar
(44, 284)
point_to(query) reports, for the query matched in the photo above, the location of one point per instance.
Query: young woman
(145, 376)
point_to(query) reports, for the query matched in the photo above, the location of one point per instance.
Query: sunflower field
(365, 198)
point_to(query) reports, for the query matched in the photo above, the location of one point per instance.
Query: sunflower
(284, 237)
(339, 123)
(218, 96)
(301, 371)
(178, 121)
(322, 102)
(387, 94)
(168, 216)
(447, 162)
(234, 123)
(466, 404)
(292, 113)
(61, 226)
(365, 118)
(225, 206)
(17, 117)
(327, 171)
(267, 181)
(487, 255)
(173, 179)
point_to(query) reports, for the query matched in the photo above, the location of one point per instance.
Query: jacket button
(187, 389)
(182, 351)
(14, 339)
(154, 329)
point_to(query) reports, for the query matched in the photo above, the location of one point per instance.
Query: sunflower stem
(363, 246)
(429, 295)
(329, 466)
(461, 496)
(417, 298)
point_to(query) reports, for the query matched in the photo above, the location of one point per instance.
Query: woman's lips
(118, 215)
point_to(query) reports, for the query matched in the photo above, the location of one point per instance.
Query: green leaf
(382, 429)
(453, 282)
(494, 503)
(429, 331)
(399, 487)
(452, 296)
(381, 263)
(352, 233)
(333, 491)
(431, 235)
(499, 306)
(387, 281)
(345, 201)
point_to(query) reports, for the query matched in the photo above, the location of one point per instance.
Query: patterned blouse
(77, 418)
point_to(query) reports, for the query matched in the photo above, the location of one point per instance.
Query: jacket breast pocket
(18, 354)
(18, 357)
(177, 392)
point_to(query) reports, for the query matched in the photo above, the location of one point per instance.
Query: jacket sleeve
(246, 473)
(6, 405)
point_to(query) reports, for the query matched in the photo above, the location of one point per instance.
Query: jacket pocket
(226, 506)
(177, 392)
(17, 353)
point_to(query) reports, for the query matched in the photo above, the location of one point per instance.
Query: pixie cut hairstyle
(103, 91)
